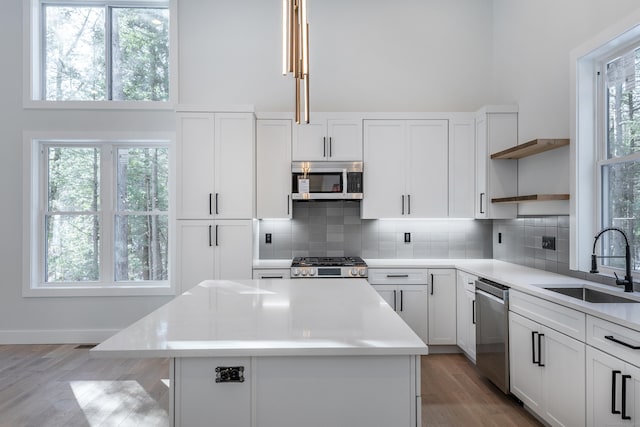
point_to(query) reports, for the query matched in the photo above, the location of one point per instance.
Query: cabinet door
(462, 313)
(442, 306)
(195, 154)
(345, 140)
(427, 165)
(389, 293)
(310, 142)
(482, 157)
(564, 379)
(412, 307)
(234, 166)
(502, 175)
(602, 399)
(195, 254)
(525, 375)
(461, 168)
(471, 309)
(233, 241)
(279, 273)
(273, 166)
(384, 180)
(633, 394)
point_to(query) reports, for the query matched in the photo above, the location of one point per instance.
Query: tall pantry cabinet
(215, 188)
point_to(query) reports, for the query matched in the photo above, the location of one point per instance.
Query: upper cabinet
(406, 169)
(496, 130)
(215, 165)
(328, 138)
(462, 169)
(273, 168)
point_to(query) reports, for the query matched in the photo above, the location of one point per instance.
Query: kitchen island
(266, 353)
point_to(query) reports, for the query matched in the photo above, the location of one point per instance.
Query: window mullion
(108, 32)
(107, 214)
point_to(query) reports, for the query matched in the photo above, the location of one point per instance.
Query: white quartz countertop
(269, 318)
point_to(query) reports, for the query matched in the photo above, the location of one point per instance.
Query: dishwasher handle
(488, 295)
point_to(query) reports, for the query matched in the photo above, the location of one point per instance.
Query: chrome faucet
(627, 281)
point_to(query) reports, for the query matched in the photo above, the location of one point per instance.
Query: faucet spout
(627, 282)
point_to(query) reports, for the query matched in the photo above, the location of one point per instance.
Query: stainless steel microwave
(326, 180)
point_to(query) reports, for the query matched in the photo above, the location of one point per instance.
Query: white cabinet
(215, 165)
(442, 306)
(406, 169)
(327, 138)
(273, 168)
(496, 130)
(213, 250)
(613, 378)
(410, 302)
(271, 273)
(462, 176)
(547, 371)
(466, 313)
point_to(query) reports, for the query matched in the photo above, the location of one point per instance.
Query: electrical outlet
(407, 237)
(267, 238)
(549, 242)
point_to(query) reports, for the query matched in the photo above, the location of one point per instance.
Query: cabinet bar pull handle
(613, 392)
(481, 197)
(533, 347)
(408, 204)
(209, 235)
(397, 275)
(210, 209)
(473, 312)
(624, 397)
(403, 204)
(217, 204)
(330, 144)
(288, 204)
(216, 234)
(324, 146)
(540, 350)
(617, 341)
(401, 300)
(432, 283)
(271, 277)
(394, 300)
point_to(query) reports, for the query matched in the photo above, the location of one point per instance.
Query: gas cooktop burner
(328, 267)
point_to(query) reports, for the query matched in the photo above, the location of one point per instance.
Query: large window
(102, 51)
(619, 155)
(103, 215)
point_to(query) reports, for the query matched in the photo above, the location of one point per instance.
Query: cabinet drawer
(598, 329)
(280, 273)
(566, 320)
(398, 276)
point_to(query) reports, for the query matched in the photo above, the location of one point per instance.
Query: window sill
(99, 291)
(99, 105)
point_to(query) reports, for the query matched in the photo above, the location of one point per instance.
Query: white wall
(532, 41)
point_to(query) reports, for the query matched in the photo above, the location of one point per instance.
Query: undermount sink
(591, 295)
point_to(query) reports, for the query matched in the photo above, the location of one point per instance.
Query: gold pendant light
(295, 50)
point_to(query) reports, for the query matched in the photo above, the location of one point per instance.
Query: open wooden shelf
(531, 198)
(530, 148)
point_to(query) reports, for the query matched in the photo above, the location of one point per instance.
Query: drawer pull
(617, 341)
(396, 276)
(272, 277)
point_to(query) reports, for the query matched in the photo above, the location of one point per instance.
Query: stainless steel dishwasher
(492, 332)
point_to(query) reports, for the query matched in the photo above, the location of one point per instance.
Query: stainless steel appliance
(492, 332)
(326, 180)
(311, 267)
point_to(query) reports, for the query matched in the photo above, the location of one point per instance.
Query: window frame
(34, 57)
(588, 129)
(35, 199)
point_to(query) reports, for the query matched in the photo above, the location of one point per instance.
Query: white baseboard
(80, 336)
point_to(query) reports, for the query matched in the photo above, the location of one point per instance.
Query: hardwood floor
(455, 394)
(61, 385)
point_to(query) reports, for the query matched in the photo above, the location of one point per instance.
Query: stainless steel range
(310, 267)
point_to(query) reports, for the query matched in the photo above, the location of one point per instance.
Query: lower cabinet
(547, 370)
(213, 249)
(410, 302)
(466, 314)
(442, 306)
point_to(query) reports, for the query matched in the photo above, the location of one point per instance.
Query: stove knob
(296, 272)
(305, 272)
(363, 272)
(353, 272)
(312, 271)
